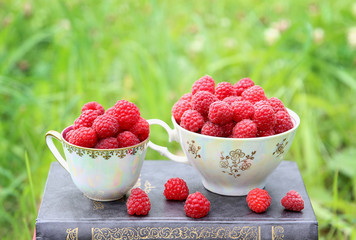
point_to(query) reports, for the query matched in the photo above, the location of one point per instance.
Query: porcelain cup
(100, 174)
(229, 166)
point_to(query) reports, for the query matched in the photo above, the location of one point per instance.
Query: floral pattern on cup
(236, 161)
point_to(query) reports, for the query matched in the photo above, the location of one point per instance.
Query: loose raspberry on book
(120, 126)
(196, 205)
(176, 189)
(138, 203)
(258, 200)
(228, 106)
(293, 201)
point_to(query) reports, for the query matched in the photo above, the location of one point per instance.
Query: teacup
(100, 174)
(229, 166)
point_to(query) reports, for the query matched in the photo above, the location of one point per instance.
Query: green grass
(57, 55)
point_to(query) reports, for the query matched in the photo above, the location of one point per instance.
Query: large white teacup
(229, 166)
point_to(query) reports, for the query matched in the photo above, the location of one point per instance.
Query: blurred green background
(57, 55)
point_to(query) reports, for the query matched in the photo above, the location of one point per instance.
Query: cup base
(232, 192)
(104, 200)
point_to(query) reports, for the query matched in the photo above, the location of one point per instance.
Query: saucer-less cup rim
(173, 136)
(60, 137)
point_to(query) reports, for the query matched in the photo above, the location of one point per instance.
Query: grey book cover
(65, 213)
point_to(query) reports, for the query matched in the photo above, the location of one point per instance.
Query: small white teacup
(229, 166)
(101, 174)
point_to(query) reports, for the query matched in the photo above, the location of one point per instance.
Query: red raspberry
(242, 85)
(242, 110)
(261, 103)
(127, 139)
(224, 89)
(227, 128)
(232, 99)
(110, 111)
(202, 100)
(293, 201)
(179, 108)
(245, 129)
(84, 137)
(277, 104)
(212, 129)
(258, 200)
(141, 129)
(93, 106)
(265, 133)
(107, 143)
(176, 189)
(196, 205)
(138, 203)
(264, 117)
(192, 120)
(86, 119)
(126, 113)
(68, 134)
(106, 126)
(186, 97)
(205, 83)
(220, 113)
(283, 122)
(254, 94)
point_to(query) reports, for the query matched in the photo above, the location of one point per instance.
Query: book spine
(174, 230)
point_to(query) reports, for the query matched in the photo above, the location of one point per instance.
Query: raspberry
(138, 203)
(107, 143)
(242, 110)
(93, 106)
(192, 120)
(227, 128)
(258, 200)
(126, 113)
(232, 99)
(83, 137)
(224, 89)
(68, 134)
(254, 94)
(220, 113)
(205, 83)
(176, 189)
(277, 104)
(202, 100)
(106, 126)
(212, 129)
(242, 85)
(186, 97)
(283, 122)
(264, 117)
(261, 103)
(141, 129)
(196, 205)
(245, 129)
(110, 111)
(86, 119)
(127, 139)
(265, 133)
(179, 108)
(293, 201)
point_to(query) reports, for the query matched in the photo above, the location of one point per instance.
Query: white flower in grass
(281, 25)
(351, 37)
(65, 24)
(198, 44)
(225, 22)
(271, 35)
(318, 35)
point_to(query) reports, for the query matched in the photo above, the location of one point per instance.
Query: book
(65, 213)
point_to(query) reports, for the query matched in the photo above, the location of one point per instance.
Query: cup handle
(172, 135)
(49, 140)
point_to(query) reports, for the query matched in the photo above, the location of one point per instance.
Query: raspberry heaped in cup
(119, 126)
(240, 110)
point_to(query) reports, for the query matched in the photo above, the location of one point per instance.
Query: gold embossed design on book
(245, 233)
(72, 234)
(236, 161)
(277, 233)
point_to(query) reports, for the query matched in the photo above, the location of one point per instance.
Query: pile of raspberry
(118, 127)
(241, 110)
